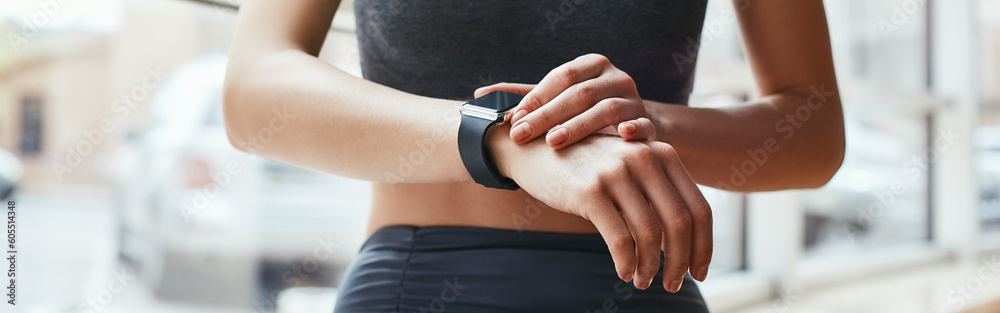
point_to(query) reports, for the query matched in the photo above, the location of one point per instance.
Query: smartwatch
(478, 116)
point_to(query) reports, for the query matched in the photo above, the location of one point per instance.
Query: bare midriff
(467, 204)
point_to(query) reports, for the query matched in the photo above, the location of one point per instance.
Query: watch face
(500, 101)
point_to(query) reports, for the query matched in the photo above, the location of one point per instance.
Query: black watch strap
(475, 156)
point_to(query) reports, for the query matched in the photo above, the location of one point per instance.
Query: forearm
(292, 107)
(782, 141)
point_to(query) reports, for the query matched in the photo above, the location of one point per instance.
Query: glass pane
(879, 43)
(987, 138)
(989, 44)
(879, 196)
(31, 126)
(728, 225)
(988, 170)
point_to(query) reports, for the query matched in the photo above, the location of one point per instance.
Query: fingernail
(521, 132)
(675, 285)
(703, 273)
(629, 128)
(558, 136)
(627, 277)
(518, 115)
(637, 283)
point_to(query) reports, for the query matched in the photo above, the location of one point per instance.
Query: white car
(206, 223)
(11, 170)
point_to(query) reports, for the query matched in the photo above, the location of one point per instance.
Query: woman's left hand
(576, 99)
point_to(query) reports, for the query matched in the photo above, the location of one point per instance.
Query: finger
(607, 112)
(638, 129)
(612, 227)
(560, 78)
(672, 215)
(574, 101)
(698, 208)
(676, 240)
(521, 89)
(645, 230)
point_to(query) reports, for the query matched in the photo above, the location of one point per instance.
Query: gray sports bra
(448, 48)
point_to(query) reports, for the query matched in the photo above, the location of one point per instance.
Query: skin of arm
(792, 137)
(275, 84)
(798, 122)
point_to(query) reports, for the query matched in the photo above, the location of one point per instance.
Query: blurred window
(987, 138)
(988, 172)
(879, 196)
(31, 126)
(728, 231)
(881, 44)
(989, 43)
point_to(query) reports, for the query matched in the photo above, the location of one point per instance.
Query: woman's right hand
(637, 193)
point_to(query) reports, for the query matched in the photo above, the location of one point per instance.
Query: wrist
(501, 148)
(662, 124)
(481, 141)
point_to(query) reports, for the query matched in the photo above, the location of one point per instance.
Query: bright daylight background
(131, 199)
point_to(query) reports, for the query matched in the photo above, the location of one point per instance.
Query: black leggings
(470, 269)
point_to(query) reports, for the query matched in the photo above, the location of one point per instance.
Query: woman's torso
(448, 48)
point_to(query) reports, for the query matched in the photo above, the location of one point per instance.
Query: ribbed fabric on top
(448, 48)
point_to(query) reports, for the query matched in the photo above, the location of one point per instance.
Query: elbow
(247, 98)
(827, 149)
(827, 162)
(233, 114)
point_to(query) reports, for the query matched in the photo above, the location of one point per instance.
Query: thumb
(638, 129)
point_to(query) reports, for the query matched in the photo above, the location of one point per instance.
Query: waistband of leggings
(443, 238)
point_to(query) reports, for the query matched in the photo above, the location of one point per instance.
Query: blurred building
(87, 65)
